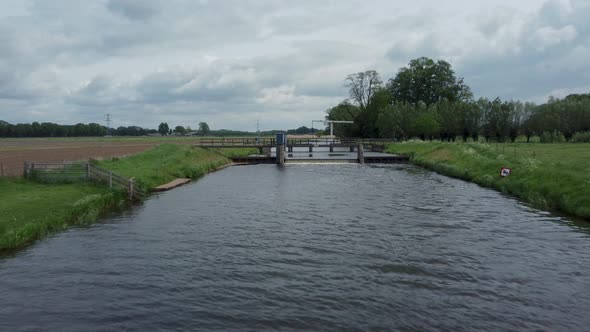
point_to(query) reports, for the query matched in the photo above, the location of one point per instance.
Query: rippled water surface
(308, 247)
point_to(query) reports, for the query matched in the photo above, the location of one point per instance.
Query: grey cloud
(133, 9)
(514, 55)
(554, 13)
(230, 62)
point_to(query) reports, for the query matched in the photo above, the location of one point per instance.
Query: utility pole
(108, 120)
(258, 131)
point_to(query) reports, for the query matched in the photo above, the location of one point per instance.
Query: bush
(554, 137)
(581, 137)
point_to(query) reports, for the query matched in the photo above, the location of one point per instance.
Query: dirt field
(13, 153)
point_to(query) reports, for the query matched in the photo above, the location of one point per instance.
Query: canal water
(308, 247)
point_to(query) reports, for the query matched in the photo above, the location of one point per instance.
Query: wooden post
(1, 169)
(131, 189)
(111, 179)
(361, 154)
(26, 170)
(310, 148)
(87, 171)
(331, 148)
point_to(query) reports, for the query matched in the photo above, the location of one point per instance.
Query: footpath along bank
(547, 176)
(30, 210)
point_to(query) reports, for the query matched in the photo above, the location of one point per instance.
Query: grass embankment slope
(30, 211)
(167, 162)
(548, 176)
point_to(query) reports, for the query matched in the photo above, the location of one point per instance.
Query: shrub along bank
(547, 176)
(30, 211)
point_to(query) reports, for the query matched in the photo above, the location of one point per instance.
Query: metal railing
(258, 142)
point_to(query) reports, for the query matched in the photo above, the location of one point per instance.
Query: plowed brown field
(14, 153)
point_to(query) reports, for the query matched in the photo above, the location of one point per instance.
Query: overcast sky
(232, 62)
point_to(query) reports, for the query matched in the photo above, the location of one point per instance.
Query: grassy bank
(167, 162)
(30, 211)
(548, 176)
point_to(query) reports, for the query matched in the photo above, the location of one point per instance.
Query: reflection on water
(314, 247)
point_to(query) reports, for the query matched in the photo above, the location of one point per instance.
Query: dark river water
(308, 247)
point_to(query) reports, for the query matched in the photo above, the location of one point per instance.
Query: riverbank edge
(87, 211)
(84, 211)
(535, 198)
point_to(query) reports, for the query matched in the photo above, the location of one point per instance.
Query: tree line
(48, 129)
(426, 100)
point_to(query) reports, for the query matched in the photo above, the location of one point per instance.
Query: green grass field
(30, 211)
(548, 176)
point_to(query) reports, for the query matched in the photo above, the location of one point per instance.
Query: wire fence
(49, 172)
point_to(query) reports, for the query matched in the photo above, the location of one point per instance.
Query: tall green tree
(449, 116)
(471, 120)
(396, 120)
(429, 82)
(345, 111)
(179, 129)
(204, 129)
(425, 124)
(367, 119)
(163, 128)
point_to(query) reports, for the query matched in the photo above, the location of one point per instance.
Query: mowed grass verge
(547, 176)
(166, 162)
(30, 211)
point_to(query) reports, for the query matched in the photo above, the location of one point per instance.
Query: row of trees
(427, 100)
(203, 130)
(48, 129)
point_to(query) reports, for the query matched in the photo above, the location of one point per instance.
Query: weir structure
(282, 150)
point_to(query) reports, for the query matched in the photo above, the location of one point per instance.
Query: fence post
(26, 170)
(1, 169)
(87, 171)
(131, 189)
(111, 179)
